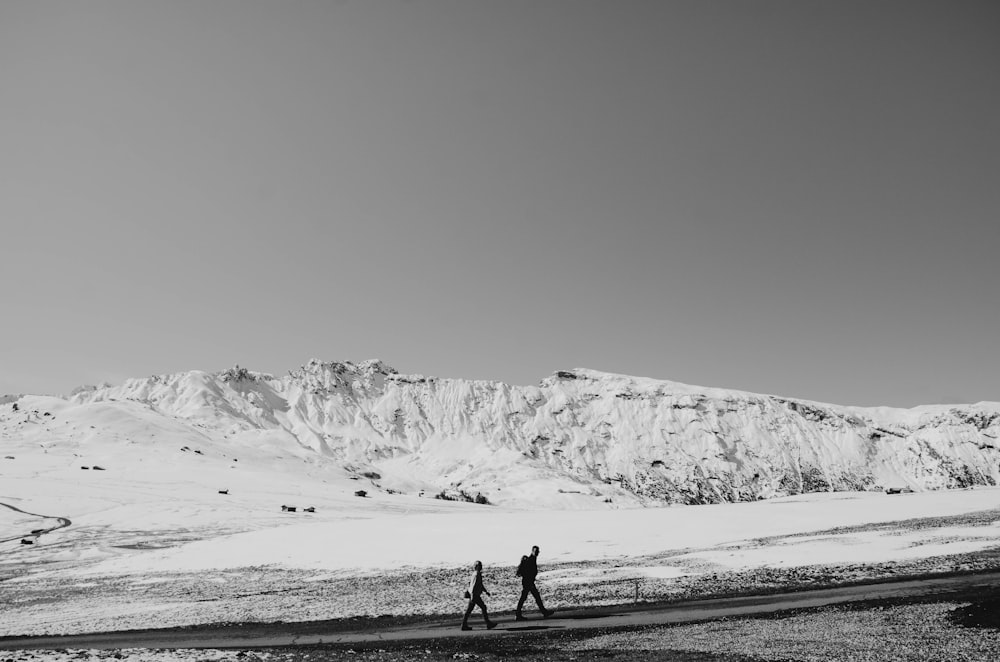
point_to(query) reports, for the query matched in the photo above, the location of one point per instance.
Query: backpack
(520, 566)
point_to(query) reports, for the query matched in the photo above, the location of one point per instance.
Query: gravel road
(754, 629)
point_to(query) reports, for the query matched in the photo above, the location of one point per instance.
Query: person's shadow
(547, 624)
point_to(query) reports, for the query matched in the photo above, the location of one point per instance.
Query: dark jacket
(528, 569)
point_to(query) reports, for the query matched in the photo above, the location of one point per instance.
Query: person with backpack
(475, 596)
(527, 570)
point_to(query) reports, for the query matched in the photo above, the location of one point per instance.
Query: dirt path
(35, 533)
(257, 635)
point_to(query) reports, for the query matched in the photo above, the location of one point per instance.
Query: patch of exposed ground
(917, 632)
(902, 633)
(46, 602)
(52, 605)
(43, 600)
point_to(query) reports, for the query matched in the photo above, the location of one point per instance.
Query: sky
(796, 197)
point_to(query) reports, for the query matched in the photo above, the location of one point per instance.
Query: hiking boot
(546, 613)
(519, 617)
(491, 625)
(466, 627)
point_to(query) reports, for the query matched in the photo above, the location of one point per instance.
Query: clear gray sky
(795, 197)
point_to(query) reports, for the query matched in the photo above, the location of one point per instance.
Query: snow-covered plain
(174, 503)
(144, 522)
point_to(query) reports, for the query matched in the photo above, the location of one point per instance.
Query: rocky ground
(39, 602)
(883, 631)
(915, 632)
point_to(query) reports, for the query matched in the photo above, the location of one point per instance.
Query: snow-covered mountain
(580, 438)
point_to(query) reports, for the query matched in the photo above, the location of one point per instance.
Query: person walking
(527, 571)
(475, 596)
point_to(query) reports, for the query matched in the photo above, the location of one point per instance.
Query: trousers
(476, 599)
(528, 586)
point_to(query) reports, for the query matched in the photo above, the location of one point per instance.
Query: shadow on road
(586, 616)
(983, 614)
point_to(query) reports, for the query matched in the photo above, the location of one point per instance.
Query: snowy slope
(579, 439)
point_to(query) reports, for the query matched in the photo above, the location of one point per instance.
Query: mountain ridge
(578, 438)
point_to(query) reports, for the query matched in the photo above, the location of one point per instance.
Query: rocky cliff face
(580, 436)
